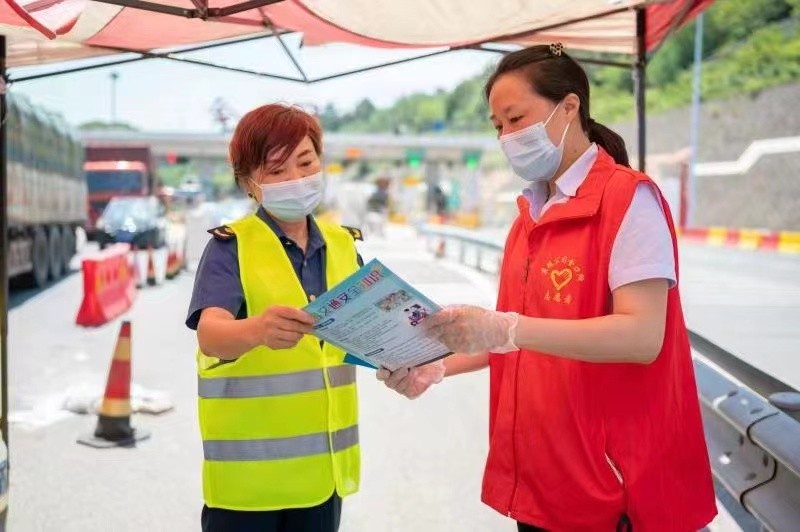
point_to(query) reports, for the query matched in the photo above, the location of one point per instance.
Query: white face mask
(531, 153)
(293, 200)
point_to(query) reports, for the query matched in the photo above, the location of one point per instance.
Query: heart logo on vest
(561, 278)
(561, 271)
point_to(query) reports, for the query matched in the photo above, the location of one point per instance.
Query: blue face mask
(531, 153)
(291, 201)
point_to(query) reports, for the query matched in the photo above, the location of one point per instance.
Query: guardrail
(481, 252)
(751, 419)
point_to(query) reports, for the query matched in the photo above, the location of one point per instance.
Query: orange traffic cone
(114, 419)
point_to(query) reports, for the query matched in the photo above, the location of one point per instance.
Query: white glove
(469, 329)
(413, 382)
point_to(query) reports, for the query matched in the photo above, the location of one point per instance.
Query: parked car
(140, 221)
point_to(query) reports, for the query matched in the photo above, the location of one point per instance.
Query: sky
(169, 96)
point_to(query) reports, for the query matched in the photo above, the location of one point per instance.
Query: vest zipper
(614, 469)
(516, 390)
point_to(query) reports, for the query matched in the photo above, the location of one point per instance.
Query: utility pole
(694, 132)
(114, 77)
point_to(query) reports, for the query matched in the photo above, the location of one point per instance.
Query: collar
(569, 182)
(588, 192)
(576, 174)
(315, 240)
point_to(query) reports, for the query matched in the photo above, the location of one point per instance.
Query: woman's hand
(470, 329)
(281, 327)
(221, 335)
(412, 382)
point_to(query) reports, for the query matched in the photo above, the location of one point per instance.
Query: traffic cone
(114, 419)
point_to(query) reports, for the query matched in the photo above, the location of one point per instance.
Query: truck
(46, 192)
(116, 169)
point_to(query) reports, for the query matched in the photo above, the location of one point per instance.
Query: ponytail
(609, 141)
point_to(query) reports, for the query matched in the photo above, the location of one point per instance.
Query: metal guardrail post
(754, 448)
(728, 413)
(763, 384)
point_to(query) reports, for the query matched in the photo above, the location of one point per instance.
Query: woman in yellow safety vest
(278, 409)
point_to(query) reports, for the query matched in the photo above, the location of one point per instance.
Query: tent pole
(639, 79)
(3, 246)
(694, 125)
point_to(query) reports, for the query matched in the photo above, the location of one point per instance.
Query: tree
(103, 125)
(223, 113)
(364, 110)
(330, 118)
(742, 17)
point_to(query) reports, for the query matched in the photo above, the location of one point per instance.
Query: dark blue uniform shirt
(217, 282)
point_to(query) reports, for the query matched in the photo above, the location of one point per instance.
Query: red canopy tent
(50, 32)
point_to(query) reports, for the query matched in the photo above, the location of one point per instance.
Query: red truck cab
(115, 170)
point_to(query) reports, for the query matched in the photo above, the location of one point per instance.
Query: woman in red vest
(594, 416)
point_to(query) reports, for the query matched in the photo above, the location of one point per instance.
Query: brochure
(375, 316)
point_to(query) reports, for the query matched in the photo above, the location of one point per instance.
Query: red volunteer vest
(574, 445)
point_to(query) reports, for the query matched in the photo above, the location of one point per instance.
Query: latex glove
(469, 329)
(413, 382)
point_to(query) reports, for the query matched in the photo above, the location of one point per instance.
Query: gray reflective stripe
(345, 438)
(342, 375)
(279, 448)
(271, 385)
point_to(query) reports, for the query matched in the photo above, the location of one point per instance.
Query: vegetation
(96, 125)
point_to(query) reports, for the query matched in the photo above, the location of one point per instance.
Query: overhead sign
(415, 156)
(472, 158)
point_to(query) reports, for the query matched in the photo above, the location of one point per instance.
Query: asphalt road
(422, 460)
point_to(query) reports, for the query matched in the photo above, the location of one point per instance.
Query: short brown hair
(269, 129)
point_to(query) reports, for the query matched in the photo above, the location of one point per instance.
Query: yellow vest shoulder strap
(354, 232)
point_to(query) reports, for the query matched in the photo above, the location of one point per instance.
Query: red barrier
(770, 241)
(733, 237)
(109, 286)
(695, 233)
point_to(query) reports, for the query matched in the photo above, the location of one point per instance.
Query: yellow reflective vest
(279, 427)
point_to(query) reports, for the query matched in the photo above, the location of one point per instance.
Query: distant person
(277, 407)
(594, 415)
(378, 208)
(440, 202)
